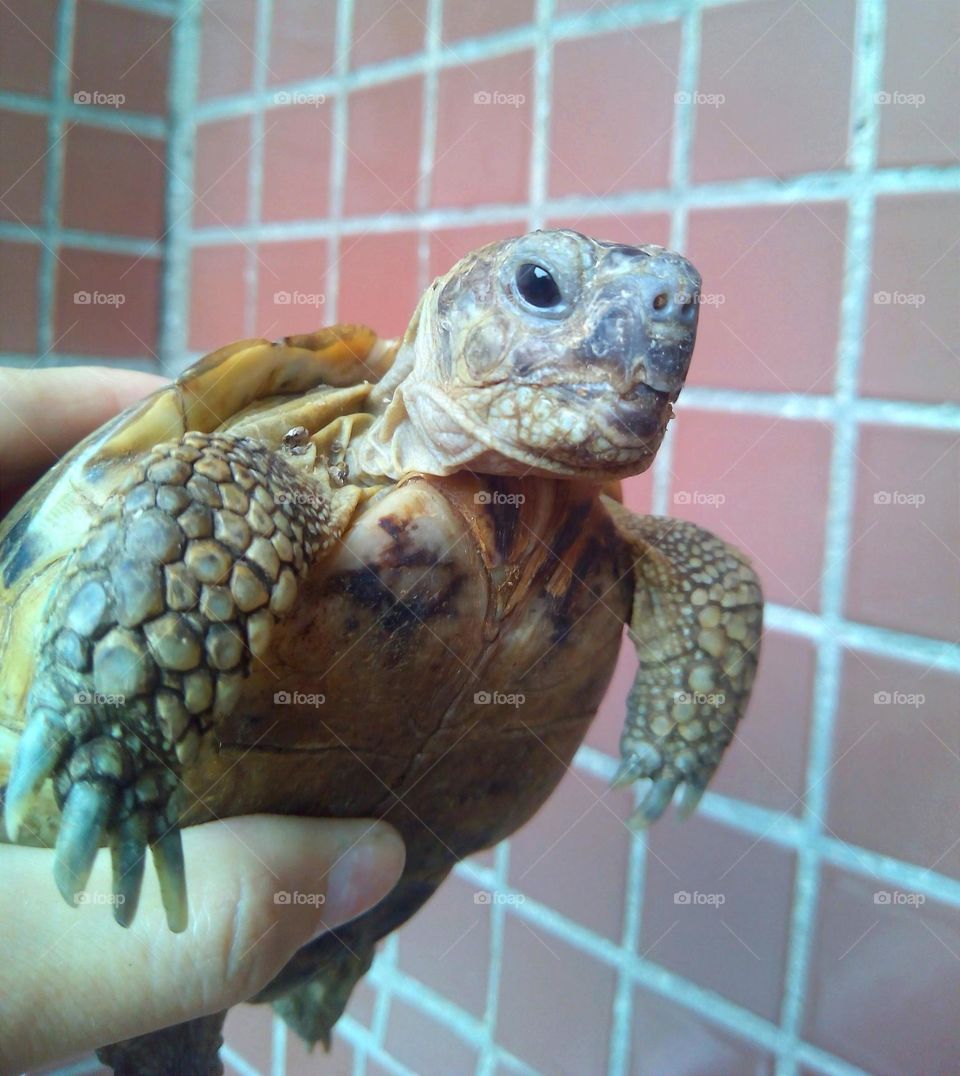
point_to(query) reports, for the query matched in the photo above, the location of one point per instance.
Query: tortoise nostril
(661, 300)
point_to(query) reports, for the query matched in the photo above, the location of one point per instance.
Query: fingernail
(363, 875)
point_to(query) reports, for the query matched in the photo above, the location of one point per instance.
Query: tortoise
(314, 576)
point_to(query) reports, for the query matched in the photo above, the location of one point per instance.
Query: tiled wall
(804, 153)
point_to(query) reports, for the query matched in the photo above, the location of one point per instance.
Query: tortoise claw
(654, 803)
(128, 845)
(688, 798)
(168, 861)
(41, 748)
(85, 814)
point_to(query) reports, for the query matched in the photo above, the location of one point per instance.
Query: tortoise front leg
(696, 624)
(149, 636)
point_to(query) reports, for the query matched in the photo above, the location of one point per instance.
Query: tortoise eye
(537, 287)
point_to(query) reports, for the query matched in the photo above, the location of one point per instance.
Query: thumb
(260, 887)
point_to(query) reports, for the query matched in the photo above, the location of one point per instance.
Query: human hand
(71, 979)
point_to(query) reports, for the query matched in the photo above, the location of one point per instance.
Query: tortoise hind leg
(313, 1007)
(150, 633)
(696, 623)
(189, 1049)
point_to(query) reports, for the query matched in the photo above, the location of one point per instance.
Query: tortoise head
(551, 354)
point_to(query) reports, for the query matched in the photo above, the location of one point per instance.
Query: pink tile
(337, 1061)
(555, 1002)
(383, 30)
(363, 1001)
(762, 484)
(94, 201)
(296, 168)
(378, 281)
(581, 833)
(669, 1040)
(794, 57)
(425, 1045)
(292, 288)
(449, 245)
(477, 20)
(584, 158)
(227, 47)
(903, 565)
(919, 119)
(19, 266)
(221, 180)
(483, 132)
(766, 763)
(248, 1030)
(106, 304)
(913, 319)
(383, 161)
(634, 228)
(27, 42)
(896, 761)
(217, 296)
(302, 40)
(22, 166)
(122, 52)
(717, 910)
(447, 946)
(884, 978)
(772, 277)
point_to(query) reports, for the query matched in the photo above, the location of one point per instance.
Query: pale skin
(112, 983)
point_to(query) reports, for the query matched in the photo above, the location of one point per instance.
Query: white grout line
(338, 153)
(863, 136)
(812, 187)
(57, 237)
(140, 123)
(238, 1062)
(428, 136)
(181, 145)
(261, 64)
(170, 8)
(60, 77)
(278, 1047)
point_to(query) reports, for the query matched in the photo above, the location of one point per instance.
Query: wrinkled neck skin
(417, 428)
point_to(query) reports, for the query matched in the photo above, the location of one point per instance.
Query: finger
(44, 413)
(73, 978)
